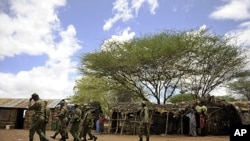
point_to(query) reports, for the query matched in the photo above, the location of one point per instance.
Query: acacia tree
(146, 66)
(153, 66)
(214, 62)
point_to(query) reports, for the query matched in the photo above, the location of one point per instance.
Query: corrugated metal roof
(23, 103)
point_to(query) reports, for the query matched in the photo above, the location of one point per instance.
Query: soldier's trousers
(86, 130)
(144, 129)
(62, 127)
(74, 130)
(36, 127)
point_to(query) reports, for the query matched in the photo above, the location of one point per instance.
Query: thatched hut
(171, 118)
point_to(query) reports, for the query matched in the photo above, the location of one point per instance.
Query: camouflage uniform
(144, 123)
(88, 122)
(62, 123)
(38, 118)
(76, 119)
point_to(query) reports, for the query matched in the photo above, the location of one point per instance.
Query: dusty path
(22, 135)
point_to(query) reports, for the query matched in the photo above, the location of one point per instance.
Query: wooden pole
(123, 123)
(181, 124)
(117, 122)
(166, 130)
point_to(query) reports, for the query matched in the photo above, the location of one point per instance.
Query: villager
(75, 120)
(144, 122)
(203, 123)
(192, 123)
(201, 111)
(38, 118)
(101, 123)
(62, 123)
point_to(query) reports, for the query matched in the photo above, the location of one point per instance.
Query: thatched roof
(243, 106)
(213, 105)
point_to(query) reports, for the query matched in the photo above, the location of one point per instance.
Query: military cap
(35, 96)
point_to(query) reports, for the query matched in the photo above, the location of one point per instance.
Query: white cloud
(136, 5)
(219, 91)
(123, 11)
(121, 37)
(242, 34)
(28, 21)
(233, 9)
(236, 10)
(31, 27)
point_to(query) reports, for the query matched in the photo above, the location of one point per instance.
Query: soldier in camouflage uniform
(144, 122)
(38, 118)
(75, 121)
(63, 119)
(88, 122)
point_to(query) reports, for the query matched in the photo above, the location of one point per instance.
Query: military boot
(63, 139)
(67, 136)
(95, 138)
(53, 137)
(45, 139)
(140, 139)
(147, 139)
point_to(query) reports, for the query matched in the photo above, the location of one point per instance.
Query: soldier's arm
(32, 106)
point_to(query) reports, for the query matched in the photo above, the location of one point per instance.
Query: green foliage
(91, 88)
(240, 88)
(181, 98)
(154, 66)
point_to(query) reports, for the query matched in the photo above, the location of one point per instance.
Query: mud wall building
(14, 113)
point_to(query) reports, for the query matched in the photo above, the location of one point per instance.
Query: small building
(14, 113)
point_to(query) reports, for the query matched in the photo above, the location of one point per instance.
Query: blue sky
(41, 41)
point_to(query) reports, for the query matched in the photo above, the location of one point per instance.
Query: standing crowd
(197, 119)
(78, 122)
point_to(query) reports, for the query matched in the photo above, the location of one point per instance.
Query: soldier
(88, 122)
(144, 122)
(38, 118)
(75, 121)
(62, 123)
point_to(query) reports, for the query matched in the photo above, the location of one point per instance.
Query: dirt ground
(22, 135)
